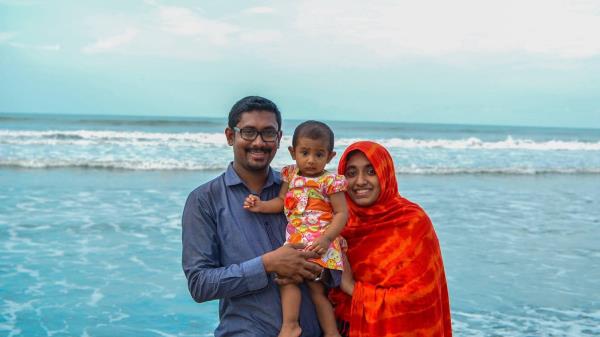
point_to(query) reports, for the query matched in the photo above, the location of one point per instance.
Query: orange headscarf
(394, 253)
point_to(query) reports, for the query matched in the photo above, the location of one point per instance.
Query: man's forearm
(207, 284)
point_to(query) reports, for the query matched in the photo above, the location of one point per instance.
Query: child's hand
(320, 245)
(252, 203)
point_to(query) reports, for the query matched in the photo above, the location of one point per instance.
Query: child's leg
(290, 307)
(324, 309)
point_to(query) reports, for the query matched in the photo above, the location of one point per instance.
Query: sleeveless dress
(308, 210)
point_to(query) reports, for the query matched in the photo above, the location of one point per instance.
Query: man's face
(254, 155)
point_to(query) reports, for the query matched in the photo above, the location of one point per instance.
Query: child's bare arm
(340, 216)
(275, 205)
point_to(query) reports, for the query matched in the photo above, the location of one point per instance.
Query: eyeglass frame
(236, 129)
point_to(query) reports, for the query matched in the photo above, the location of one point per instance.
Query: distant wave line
(130, 138)
(135, 138)
(116, 122)
(174, 165)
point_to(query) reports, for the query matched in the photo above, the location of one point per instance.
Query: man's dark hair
(252, 103)
(313, 130)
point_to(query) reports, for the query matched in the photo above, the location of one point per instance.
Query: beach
(90, 228)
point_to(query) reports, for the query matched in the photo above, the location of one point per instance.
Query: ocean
(90, 231)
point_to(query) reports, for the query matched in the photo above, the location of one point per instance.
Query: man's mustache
(264, 149)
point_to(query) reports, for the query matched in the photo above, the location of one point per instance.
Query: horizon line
(298, 119)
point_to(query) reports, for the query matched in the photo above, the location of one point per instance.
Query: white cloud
(185, 22)
(41, 47)
(8, 38)
(111, 42)
(5, 36)
(180, 32)
(260, 10)
(261, 36)
(394, 28)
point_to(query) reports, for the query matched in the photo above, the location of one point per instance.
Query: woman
(398, 286)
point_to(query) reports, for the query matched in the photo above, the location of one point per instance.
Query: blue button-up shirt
(222, 248)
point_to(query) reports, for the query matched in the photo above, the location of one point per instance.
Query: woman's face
(363, 184)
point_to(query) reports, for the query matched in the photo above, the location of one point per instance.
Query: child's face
(311, 156)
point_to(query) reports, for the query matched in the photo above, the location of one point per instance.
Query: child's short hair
(313, 130)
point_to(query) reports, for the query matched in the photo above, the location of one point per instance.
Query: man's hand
(320, 245)
(290, 263)
(252, 203)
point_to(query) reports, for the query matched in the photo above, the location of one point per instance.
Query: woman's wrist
(348, 287)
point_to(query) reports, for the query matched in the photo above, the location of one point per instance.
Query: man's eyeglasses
(250, 134)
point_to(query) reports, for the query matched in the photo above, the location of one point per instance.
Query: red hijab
(400, 286)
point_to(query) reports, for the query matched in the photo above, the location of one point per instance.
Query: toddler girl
(314, 204)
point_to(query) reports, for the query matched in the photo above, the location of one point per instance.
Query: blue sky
(528, 62)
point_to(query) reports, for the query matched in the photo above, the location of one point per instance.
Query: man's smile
(259, 154)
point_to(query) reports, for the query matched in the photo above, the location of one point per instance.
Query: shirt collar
(232, 178)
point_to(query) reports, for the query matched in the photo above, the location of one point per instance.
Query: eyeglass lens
(250, 134)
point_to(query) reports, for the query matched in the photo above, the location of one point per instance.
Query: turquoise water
(91, 250)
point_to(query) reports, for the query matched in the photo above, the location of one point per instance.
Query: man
(231, 254)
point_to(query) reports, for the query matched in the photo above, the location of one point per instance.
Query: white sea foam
(141, 263)
(495, 170)
(95, 298)
(474, 143)
(33, 273)
(161, 333)
(10, 311)
(174, 165)
(118, 316)
(151, 151)
(117, 164)
(133, 138)
(202, 139)
(527, 322)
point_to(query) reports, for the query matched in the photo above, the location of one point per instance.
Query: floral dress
(309, 212)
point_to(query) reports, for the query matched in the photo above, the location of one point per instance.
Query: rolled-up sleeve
(207, 278)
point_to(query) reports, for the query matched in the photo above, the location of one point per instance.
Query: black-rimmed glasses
(250, 134)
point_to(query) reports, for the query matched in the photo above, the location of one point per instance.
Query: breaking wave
(85, 137)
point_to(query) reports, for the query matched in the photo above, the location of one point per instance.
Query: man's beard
(258, 166)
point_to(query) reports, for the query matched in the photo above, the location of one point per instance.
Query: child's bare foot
(290, 330)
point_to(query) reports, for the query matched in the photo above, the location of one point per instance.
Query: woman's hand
(347, 284)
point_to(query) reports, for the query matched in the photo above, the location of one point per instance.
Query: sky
(525, 62)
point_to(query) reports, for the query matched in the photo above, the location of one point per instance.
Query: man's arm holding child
(208, 279)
